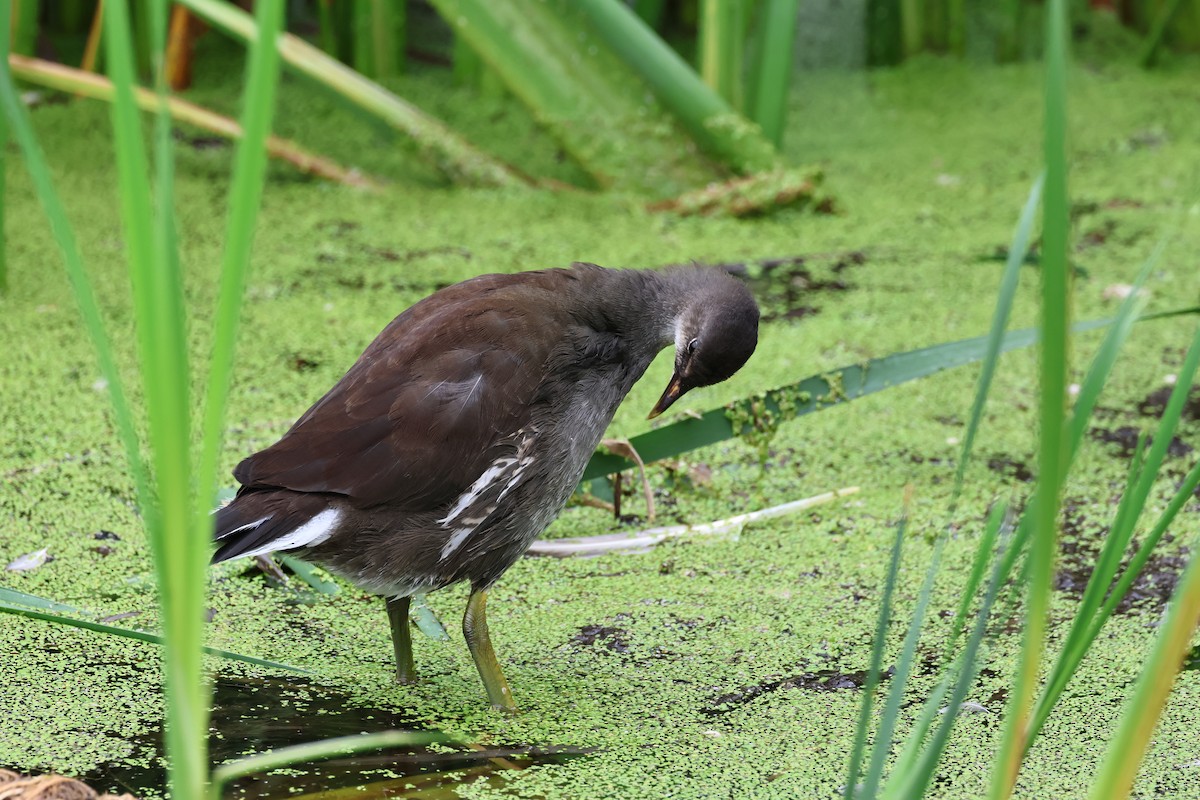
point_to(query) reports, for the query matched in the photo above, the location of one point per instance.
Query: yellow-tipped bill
(674, 391)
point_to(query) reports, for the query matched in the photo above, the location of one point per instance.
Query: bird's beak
(674, 391)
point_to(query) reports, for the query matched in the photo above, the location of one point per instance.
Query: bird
(461, 431)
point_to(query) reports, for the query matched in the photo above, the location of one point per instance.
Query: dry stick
(67, 79)
(616, 542)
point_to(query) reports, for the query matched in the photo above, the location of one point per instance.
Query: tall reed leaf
(158, 306)
(1055, 316)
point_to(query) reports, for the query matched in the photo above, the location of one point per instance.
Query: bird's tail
(260, 521)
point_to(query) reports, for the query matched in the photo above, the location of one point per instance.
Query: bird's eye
(692, 345)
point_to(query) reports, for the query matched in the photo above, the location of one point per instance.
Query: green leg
(475, 630)
(397, 608)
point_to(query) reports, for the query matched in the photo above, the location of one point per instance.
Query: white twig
(643, 540)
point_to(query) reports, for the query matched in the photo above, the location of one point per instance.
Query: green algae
(926, 192)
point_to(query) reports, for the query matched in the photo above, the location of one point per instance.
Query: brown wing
(430, 404)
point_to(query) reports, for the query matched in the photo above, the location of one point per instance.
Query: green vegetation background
(930, 164)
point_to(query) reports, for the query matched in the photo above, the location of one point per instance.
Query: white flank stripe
(311, 533)
(481, 483)
(455, 541)
(248, 526)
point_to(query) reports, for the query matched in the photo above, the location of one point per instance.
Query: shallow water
(254, 714)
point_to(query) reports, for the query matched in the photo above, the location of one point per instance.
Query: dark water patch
(787, 288)
(822, 680)
(611, 637)
(1079, 549)
(256, 714)
(1010, 467)
(1126, 439)
(1155, 403)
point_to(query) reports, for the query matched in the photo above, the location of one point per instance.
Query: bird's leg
(397, 608)
(475, 630)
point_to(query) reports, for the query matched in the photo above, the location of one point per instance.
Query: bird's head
(715, 334)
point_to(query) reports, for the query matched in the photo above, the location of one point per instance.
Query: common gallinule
(461, 431)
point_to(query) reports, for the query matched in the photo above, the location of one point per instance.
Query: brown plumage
(461, 431)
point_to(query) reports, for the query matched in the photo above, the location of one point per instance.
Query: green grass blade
(914, 782)
(326, 28)
(985, 554)
(1055, 316)
(1004, 302)
(1128, 745)
(20, 609)
(877, 648)
(1091, 615)
(979, 565)
(1181, 498)
(315, 751)
(81, 288)
(899, 680)
(1106, 355)
(1077, 641)
(14, 597)
(24, 24)
(307, 573)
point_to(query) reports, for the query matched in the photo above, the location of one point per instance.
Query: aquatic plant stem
(708, 118)
(720, 47)
(1053, 444)
(773, 70)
